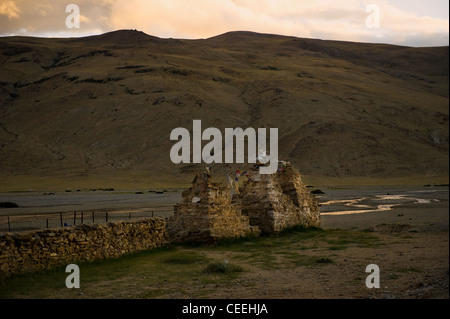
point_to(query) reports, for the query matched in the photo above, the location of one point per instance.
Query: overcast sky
(403, 22)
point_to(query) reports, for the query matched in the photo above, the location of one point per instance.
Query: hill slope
(98, 111)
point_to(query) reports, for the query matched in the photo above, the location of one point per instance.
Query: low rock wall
(38, 250)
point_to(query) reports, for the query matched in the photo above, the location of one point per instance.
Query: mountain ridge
(101, 108)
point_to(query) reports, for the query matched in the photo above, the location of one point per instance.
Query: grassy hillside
(98, 111)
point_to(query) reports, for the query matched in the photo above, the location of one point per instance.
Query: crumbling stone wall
(38, 250)
(291, 183)
(266, 203)
(207, 214)
(278, 201)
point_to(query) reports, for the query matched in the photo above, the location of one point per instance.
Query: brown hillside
(98, 111)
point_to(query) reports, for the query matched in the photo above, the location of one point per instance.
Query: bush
(223, 267)
(324, 260)
(8, 205)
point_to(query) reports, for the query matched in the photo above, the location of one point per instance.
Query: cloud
(10, 10)
(47, 18)
(196, 18)
(325, 19)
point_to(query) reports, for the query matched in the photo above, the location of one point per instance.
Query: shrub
(8, 205)
(324, 260)
(223, 267)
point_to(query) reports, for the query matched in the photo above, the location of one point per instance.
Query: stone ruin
(274, 202)
(263, 204)
(207, 214)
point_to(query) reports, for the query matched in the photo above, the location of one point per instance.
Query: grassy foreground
(191, 270)
(297, 263)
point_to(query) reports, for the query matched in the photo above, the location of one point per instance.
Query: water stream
(376, 203)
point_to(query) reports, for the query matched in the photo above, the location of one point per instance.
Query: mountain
(97, 111)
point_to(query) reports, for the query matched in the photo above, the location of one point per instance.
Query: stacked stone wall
(44, 249)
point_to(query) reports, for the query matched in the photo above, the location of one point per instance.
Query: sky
(402, 22)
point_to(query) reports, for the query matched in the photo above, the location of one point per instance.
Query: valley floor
(409, 243)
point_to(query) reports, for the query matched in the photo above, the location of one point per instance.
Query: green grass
(292, 234)
(159, 272)
(159, 266)
(282, 249)
(183, 258)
